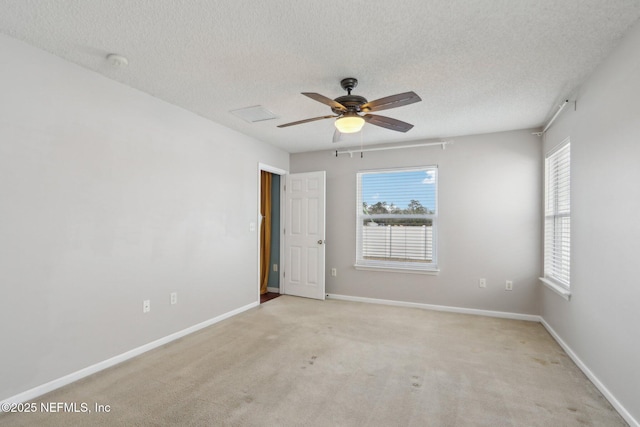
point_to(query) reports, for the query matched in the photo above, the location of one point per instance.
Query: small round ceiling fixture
(117, 60)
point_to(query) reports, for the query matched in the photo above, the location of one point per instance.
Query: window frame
(389, 265)
(557, 252)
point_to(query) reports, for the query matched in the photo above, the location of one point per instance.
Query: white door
(304, 235)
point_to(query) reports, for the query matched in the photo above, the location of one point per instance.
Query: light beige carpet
(300, 362)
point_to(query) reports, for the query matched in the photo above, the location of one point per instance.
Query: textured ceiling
(479, 65)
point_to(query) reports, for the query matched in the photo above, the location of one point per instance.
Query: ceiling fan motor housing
(352, 102)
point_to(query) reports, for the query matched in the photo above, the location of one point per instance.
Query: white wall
(109, 196)
(600, 323)
(489, 223)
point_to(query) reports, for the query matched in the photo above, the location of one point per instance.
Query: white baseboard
(75, 376)
(274, 290)
(585, 369)
(489, 313)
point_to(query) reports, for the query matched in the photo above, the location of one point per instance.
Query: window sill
(432, 272)
(564, 293)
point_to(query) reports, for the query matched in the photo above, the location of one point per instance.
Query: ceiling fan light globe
(349, 124)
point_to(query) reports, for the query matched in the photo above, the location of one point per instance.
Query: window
(396, 219)
(557, 216)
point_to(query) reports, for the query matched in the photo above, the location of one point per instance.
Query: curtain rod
(560, 108)
(564, 104)
(392, 147)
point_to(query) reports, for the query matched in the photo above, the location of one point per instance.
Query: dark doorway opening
(268, 297)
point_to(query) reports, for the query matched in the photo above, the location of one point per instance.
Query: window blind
(396, 218)
(557, 221)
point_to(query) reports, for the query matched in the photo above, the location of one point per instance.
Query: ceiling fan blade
(337, 136)
(392, 101)
(388, 122)
(299, 122)
(327, 101)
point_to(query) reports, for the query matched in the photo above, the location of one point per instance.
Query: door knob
(319, 242)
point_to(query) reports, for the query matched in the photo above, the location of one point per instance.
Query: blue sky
(399, 188)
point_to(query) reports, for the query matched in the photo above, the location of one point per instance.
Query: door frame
(283, 179)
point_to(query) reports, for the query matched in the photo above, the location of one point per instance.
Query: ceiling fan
(348, 108)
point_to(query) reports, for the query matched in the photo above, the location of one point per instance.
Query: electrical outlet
(334, 272)
(146, 306)
(275, 267)
(482, 283)
(174, 298)
(508, 285)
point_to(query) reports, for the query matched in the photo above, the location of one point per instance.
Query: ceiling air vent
(257, 113)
